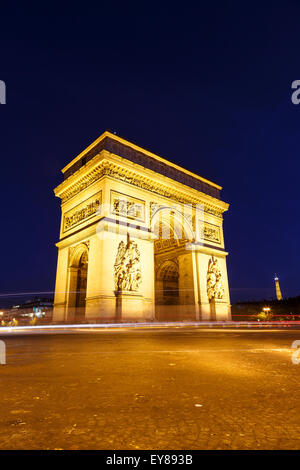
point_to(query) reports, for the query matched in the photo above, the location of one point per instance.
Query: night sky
(207, 87)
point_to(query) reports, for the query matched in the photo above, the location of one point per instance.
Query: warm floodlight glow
(266, 309)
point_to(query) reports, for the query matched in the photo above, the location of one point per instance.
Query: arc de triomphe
(140, 239)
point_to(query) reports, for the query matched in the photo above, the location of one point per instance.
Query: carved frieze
(81, 212)
(127, 206)
(154, 207)
(210, 232)
(121, 174)
(215, 287)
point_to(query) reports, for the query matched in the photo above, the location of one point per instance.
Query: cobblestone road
(183, 388)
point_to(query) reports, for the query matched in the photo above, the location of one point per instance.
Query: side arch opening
(78, 271)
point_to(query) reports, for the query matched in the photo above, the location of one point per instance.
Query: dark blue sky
(207, 87)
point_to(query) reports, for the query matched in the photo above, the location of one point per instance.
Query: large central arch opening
(174, 277)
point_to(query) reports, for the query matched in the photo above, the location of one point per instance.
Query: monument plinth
(129, 306)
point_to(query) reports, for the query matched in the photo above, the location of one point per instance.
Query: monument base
(219, 311)
(130, 306)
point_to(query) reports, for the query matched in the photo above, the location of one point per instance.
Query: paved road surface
(183, 388)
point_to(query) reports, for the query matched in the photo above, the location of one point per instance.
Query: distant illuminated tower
(277, 287)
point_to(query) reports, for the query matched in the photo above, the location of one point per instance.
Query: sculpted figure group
(127, 267)
(215, 288)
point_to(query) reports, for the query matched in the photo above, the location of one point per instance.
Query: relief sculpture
(127, 206)
(210, 233)
(215, 288)
(127, 267)
(82, 212)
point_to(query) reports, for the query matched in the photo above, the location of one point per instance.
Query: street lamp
(266, 309)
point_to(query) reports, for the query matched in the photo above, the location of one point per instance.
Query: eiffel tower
(277, 287)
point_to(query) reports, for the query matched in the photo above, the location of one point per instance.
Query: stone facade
(137, 240)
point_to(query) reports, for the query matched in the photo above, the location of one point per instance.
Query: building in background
(39, 308)
(277, 287)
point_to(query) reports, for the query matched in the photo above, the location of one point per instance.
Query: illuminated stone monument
(141, 239)
(277, 288)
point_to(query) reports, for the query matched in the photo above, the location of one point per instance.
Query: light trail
(95, 326)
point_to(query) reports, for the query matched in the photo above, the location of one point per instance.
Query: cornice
(113, 166)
